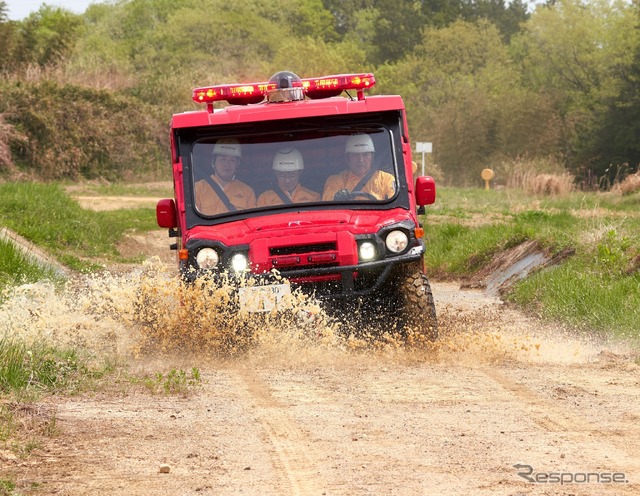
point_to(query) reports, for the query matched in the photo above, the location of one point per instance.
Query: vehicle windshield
(243, 172)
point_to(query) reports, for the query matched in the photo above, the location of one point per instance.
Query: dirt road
(308, 418)
(298, 417)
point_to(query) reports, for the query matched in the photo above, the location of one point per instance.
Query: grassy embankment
(597, 288)
(45, 215)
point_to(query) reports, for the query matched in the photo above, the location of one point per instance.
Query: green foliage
(17, 268)
(68, 131)
(580, 52)
(46, 36)
(397, 29)
(39, 367)
(464, 94)
(177, 381)
(345, 14)
(484, 80)
(7, 37)
(616, 140)
(311, 57)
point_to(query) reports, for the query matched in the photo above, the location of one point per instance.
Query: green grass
(176, 381)
(29, 371)
(45, 215)
(158, 189)
(597, 288)
(7, 487)
(583, 297)
(17, 268)
(39, 367)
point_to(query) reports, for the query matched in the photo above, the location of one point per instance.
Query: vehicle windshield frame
(310, 137)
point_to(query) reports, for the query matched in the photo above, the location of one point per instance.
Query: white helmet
(288, 160)
(359, 143)
(228, 146)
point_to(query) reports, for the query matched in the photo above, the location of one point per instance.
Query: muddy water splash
(149, 312)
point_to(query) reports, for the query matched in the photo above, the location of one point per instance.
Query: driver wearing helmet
(221, 192)
(287, 166)
(359, 177)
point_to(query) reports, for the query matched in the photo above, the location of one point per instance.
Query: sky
(19, 9)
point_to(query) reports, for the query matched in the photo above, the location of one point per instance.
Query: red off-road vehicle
(293, 178)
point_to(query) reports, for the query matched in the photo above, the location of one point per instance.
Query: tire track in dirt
(293, 453)
(554, 418)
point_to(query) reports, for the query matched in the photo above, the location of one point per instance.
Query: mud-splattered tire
(418, 309)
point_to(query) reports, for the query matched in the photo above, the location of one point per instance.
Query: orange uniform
(208, 202)
(382, 185)
(300, 195)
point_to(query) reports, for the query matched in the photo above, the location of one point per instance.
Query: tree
(579, 52)
(398, 29)
(345, 13)
(7, 37)
(507, 18)
(47, 36)
(465, 95)
(618, 136)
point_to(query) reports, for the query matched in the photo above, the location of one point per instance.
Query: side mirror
(425, 190)
(166, 214)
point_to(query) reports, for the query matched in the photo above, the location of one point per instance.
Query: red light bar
(320, 87)
(240, 94)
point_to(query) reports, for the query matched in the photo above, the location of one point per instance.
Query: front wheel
(418, 310)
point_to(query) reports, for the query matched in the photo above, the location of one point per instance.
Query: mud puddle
(148, 312)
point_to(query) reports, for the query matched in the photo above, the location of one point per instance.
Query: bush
(64, 131)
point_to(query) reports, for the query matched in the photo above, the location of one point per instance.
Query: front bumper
(330, 283)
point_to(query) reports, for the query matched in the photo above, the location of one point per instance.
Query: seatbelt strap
(283, 196)
(365, 179)
(221, 194)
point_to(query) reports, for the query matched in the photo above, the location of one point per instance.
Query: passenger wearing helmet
(221, 192)
(287, 166)
(359, 180)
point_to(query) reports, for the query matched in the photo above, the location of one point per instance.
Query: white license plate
(263, 298)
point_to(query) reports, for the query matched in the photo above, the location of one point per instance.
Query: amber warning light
(320, 87)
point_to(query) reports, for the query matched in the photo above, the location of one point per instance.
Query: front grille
(300, 249)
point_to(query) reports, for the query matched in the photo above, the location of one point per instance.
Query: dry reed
(630, 184)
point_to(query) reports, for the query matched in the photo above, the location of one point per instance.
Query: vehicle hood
(320, 222)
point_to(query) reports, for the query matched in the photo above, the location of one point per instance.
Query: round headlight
(367, 251)
(239, 262)
(397, 241)
(207, 258)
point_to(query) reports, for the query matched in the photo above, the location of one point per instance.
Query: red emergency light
(326, 86)
(320, 87)
(238, 94)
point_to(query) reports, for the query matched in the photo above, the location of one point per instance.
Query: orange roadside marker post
(487, 175)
